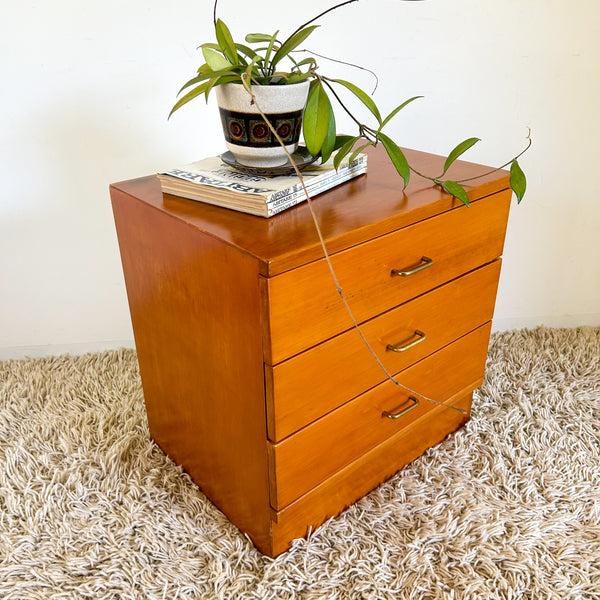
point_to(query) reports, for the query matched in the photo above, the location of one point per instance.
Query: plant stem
(529, 141)
(342, 62)
(215, 12)
(320, 15)
(422, 174)
(437, 180)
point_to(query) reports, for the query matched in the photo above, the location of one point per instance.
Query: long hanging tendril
(340, 291)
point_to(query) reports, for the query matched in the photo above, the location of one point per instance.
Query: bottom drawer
(361, 476)
(305, 459)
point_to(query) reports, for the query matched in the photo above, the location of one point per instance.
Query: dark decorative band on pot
(245, 129)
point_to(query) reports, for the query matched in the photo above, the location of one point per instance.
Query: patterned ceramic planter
(247, 135)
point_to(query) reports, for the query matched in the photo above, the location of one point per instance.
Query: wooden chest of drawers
(255, 379)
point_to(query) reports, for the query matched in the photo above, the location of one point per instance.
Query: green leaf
(247, 51)
(202, 77)
(212, 46)
(316, 118)
(457, 190)
(329, 143)
(266, 67)
(344, 151)
(226, 42)
(518, 182)
(225, 79)
(242, 62)
(340, 140)
(362, 96)
(216, 61)
(254, 73)
(292, 42)
(397, 157)
(248, 75)
(193, 81)
(358, 151)
(460, 149)
(397, 110)
(253, 38)
(211, 84)
(190, 96)
(306, 61)
(298, 77)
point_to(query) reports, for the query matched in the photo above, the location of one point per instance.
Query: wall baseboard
(499, 324)
(553, 321)
(19, 352)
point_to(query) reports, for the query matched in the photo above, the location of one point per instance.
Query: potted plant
(253, 83)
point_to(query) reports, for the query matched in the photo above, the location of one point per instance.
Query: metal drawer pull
(424, 263)
(421, 337)
(397, 415)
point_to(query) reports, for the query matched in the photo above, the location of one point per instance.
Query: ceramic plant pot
(247, 135)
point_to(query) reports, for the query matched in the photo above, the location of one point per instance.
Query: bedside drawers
(255, 379)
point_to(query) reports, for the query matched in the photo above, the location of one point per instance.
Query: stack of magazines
(213, 182)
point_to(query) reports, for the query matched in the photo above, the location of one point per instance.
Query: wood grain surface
(195, 310)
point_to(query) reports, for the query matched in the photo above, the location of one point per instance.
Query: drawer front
(309, 385)
(301, 308)
(303, 460)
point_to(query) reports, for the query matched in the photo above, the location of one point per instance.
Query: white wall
(86, 88)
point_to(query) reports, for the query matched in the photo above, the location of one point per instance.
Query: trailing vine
(227, 61)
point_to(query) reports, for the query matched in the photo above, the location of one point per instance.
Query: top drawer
(302, 308)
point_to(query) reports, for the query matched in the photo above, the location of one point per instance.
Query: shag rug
(506, 508)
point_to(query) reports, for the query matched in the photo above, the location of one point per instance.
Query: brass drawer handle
(397, 415)
(421, 337)
(424, 263)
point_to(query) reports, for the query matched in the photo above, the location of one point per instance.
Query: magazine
(211, 181)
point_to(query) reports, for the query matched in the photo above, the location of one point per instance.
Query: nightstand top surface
(369, 206)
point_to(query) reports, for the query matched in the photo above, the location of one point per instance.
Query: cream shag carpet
(507, 508)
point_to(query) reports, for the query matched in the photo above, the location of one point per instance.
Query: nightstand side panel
(195, 309)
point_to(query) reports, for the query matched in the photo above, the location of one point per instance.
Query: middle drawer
(311, 384)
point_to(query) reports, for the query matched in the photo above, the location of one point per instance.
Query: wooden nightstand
(254, 378)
